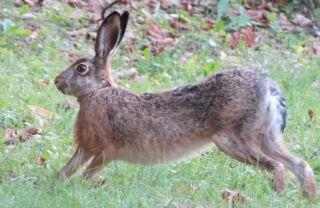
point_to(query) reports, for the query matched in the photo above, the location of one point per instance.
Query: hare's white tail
(277, 111)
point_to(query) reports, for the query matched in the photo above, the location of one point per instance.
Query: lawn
(39, 47)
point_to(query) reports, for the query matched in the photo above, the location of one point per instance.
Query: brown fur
(242, 112)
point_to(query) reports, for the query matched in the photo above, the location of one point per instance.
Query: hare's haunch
(243, 113)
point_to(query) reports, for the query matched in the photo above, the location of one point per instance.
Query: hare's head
(87, 75)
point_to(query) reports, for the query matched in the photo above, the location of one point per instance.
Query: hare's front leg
(98, 162)
(79, 157)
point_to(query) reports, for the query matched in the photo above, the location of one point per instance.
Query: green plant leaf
(220, 26)
(17, 31)
(6, 24)
(242, 20)
(223, 6)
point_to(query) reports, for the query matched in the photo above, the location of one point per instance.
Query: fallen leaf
(28, 133)
(284, 23)
(11, 175)
(208, 23)
(33, 35)
(127, 74)
(95, 6)
(27, 16)
(182, 189)
(41, 161)
(165, 4)
(232, 165)
(266, 6)
(232, 197)
(41, 111)
(76, 15)
(281, 2)
(10, 136)
(301, 20)
(130, 2)
(259, 16)
(77, 3)
(140, 79)
(160, 39)
(311, 114)
(41, 114)
(177, 25)
(314, 50)
(29, 2)
(70, 57)
(187, 6)
(100, 183)
(77, 33)
(244, 34)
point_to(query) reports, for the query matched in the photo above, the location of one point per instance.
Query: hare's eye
(82, 69)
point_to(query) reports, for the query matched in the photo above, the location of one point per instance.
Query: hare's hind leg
(98, 162)
(274, 148)
(79, 157)
(247, 151)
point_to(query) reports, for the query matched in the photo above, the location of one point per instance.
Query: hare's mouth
(61, 85)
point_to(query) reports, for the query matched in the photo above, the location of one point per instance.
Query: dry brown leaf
(311, 114)
(208, 23)
(70, 57)
(10, 136)
(232, 197)
(29, 2)
(281, 2)
(77, 33)
(76, 15)
(177, 25)
(301, 20)
(182, 189)
(266, 6)
(95, 6)
(130, 2)
(76, 3)
(154, 30)
(41, 114)
(11, 175)
(41, 161)
(259, 16)
(187, 6)
(140, 79)
(127, 74)
(165, 4)
(28, 133)
(33, 35)
(232, 165)
(41, 111)
(160, 38)
(244, 34)
(284, 23)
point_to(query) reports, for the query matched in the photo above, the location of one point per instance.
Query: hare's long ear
(108, 35)
(124, 21)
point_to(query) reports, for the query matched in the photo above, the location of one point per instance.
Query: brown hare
(242, 112)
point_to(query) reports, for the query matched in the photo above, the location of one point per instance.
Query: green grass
(25, 63)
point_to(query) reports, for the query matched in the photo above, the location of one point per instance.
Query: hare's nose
(60, 83)
(57, 81)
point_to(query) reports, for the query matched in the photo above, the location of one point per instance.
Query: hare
(242, 112)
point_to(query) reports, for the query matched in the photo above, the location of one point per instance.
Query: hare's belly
(161, 151)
